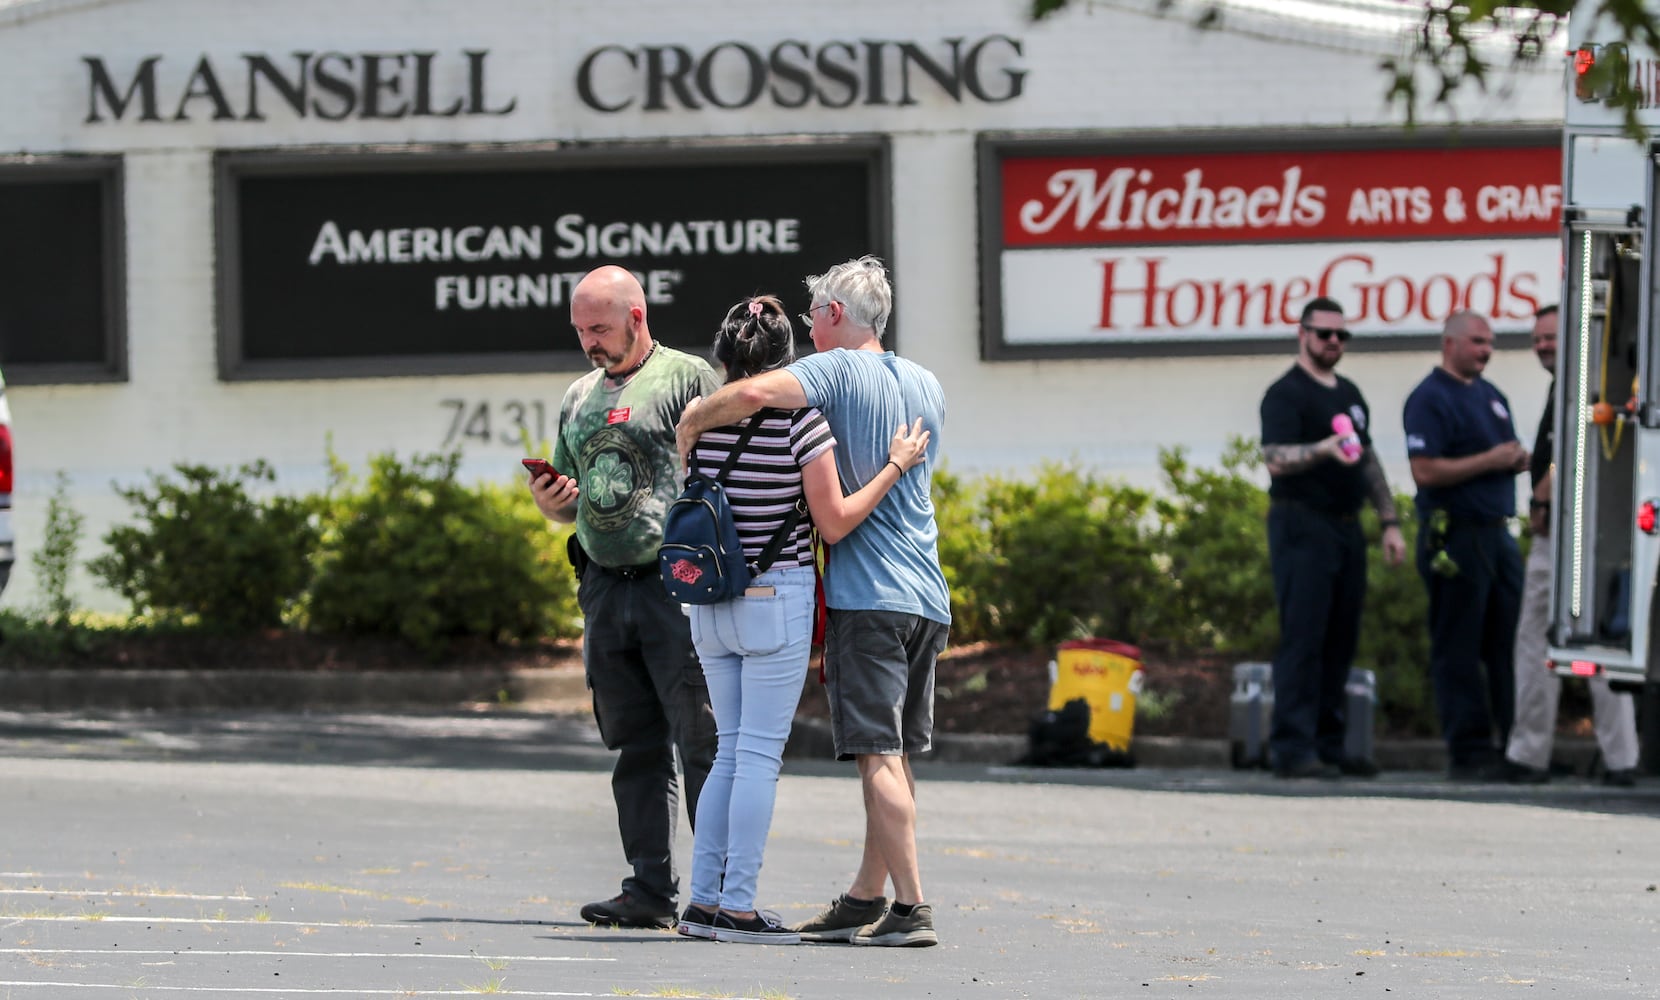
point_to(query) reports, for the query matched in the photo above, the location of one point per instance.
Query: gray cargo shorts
(879, 672)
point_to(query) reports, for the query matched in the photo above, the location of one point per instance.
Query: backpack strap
(779, 537)
(738, 446)
(775, 545)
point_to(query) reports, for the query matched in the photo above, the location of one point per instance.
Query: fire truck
(1605, 511)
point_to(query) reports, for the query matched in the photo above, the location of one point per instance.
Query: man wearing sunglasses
(1465, 457)
(1322, 468)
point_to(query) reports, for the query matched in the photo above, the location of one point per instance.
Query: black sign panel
(385, 264)
(60, 306)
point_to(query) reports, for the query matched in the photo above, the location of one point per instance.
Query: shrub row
(1182, 571)
(408, 551)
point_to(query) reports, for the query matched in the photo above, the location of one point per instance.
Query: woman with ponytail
(755, 648)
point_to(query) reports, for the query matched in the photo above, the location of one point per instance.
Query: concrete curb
(99, 689)
(810, 739)
(61, 689)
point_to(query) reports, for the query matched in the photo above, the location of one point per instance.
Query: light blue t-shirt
(891, 561)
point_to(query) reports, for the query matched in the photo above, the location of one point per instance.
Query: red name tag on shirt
(618, 416)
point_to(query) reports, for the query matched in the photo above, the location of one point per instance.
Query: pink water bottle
(1348, 441)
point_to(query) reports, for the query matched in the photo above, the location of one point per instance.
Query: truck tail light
(1600, 71)
(1646, 516)
(1584, 668)
(1585, 60)
(5, 459)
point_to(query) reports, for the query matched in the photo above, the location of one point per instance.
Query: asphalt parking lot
(445, 854)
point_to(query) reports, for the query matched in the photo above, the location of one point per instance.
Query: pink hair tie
(754, 308)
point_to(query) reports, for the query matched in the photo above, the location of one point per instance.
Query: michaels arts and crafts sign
(1208, 250)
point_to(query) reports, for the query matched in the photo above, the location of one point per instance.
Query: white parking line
(117, 894)
(182, 952)
(83, 918)
(286, 990)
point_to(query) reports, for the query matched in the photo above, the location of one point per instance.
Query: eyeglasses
(807, 317)
(1328, 332)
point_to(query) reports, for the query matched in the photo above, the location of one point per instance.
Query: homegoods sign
(1224, 246)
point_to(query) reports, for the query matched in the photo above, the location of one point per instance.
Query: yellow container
(1107, 675)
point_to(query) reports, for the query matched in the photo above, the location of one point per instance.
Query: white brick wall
(1084, 68)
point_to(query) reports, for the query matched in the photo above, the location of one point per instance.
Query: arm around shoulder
(834, 515)
(737, 400)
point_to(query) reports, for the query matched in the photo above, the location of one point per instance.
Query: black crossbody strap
(779, 537)
(738, 446)
(782, 535)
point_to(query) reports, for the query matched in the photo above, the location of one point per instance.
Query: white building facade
(239, 231)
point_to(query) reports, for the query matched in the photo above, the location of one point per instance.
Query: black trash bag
(1061, 739)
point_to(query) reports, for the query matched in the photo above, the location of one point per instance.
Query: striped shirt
(765, 484)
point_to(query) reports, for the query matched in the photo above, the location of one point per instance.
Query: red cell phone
(539, 467)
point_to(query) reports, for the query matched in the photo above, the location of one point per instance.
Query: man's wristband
(1538, 505)
(1389, 522)
(897, 466)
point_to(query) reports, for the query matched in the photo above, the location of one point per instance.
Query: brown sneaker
(840, 919)
(915, 930)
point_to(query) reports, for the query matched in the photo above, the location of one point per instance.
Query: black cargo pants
(650, 700)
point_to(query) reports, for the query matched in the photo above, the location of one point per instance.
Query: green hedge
(416, 554)
(409, 551)
(1181, 572)
(206, 553)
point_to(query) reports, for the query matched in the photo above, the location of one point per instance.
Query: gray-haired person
(890, 608)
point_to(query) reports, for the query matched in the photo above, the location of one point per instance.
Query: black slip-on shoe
(763, 928)
(697, 923)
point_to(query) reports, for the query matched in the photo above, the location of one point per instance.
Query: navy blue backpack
(701, 558)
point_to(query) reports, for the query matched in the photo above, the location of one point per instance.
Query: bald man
(1465, 457)
(618, 473)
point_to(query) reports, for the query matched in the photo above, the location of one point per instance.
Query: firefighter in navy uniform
(1320, 477)
(1465, 457)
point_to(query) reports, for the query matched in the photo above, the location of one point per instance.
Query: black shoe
(763, 928)
(1518, 773)
(1625, 777)
(626, 910)
(1486, 770)
(697, 923)
(1311, 767)
(1358, 767)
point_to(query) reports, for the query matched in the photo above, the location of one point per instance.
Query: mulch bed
(988, 688)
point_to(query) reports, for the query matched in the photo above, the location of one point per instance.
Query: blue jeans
(754, 652)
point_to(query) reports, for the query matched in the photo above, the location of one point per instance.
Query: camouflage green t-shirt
(619, 444)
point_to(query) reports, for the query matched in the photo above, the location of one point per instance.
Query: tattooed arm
(1290, 459)
(1377, 487)
(1377, 490)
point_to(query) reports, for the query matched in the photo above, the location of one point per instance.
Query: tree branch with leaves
(1452, 46)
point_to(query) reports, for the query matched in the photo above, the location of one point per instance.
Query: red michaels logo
(1126, 199)
(1317, 195)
